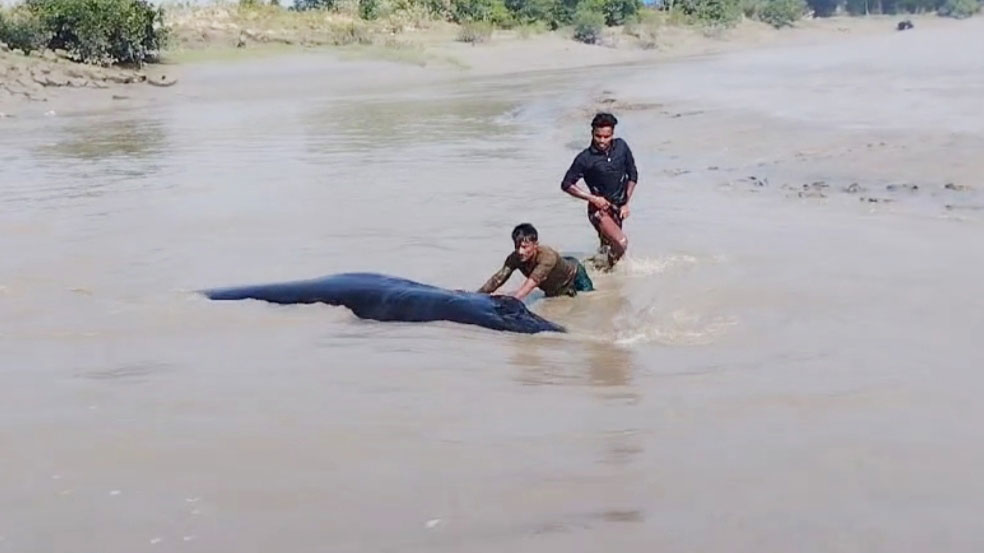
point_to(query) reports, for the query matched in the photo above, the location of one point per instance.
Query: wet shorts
(582, 282)
(593, 213)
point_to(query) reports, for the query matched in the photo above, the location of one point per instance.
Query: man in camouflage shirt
(543, 267)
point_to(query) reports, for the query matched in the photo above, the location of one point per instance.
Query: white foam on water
(679, 328)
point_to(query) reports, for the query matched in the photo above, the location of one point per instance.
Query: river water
(767, 371)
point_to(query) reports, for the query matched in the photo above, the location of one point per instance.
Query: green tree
(723, 12)
(782, 13)
(22, 30)
(304, 5)
(617, 12)
(823, 8)
(530, 11)
(103, 31)
(589, 23)
(959, 9)
(368, 9)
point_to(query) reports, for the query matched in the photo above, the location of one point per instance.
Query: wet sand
(212, 39)
(773, 368)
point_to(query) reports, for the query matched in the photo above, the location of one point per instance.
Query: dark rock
(76, 72)
(48, 79)
(812, 190)
(902, 187)
(121, 78)
(904, 25)
(854, 188)
(162, 80)
(27, 84)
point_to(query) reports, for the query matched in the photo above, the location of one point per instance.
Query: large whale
(386, 298)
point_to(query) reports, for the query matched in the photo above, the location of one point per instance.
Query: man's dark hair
(524, 232)
(604, 120)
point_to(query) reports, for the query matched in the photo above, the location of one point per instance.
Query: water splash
(680, 327)
(647, 266)
(652, 300)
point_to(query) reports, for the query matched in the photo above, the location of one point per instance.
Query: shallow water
(763, 373)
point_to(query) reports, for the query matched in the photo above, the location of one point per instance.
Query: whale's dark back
(386, 298)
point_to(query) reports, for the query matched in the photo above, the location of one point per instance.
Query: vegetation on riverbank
(90, 31)
(135, 31)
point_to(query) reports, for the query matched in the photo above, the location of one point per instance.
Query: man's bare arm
(624, 210)
(497, 280)
(577, 192)
(526, 288)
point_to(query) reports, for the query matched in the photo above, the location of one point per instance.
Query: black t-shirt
(605, 173)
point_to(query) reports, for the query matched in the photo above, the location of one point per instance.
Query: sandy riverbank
(48, 83)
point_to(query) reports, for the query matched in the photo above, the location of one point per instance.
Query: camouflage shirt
(552, 273)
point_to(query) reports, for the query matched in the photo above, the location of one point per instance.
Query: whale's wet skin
(772, 369)
(386, 298)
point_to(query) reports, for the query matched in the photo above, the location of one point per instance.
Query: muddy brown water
(768, 371)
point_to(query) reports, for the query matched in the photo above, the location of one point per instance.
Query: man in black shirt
(609, 170)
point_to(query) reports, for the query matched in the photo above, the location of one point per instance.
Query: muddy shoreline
(49, 82)
(31, 82)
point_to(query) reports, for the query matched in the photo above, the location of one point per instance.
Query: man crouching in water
(609, 170)
(543, 266)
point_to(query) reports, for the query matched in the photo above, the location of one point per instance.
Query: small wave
(648, 266)
(510, 116)
(627, 317)
(654, 265)
(682, 328)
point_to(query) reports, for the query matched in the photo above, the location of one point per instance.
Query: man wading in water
(609, 170)
(543, 267)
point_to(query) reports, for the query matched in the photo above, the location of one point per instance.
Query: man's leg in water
(609, 229)
(582, 282)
